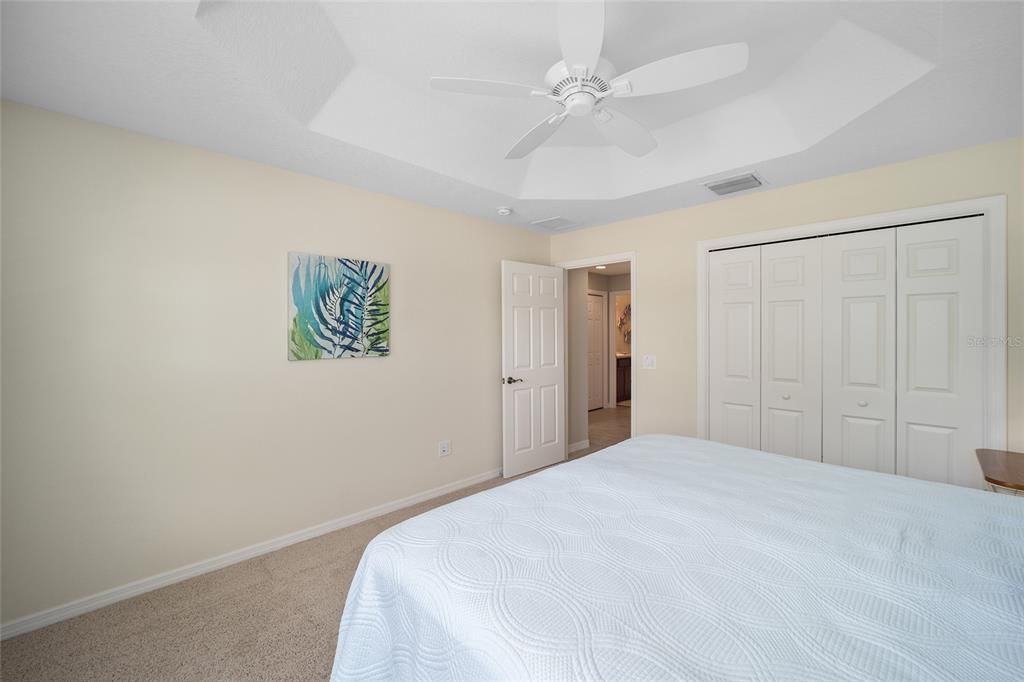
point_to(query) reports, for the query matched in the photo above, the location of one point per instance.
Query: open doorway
(599, 350)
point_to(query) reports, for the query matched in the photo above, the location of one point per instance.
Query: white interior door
(791, 348)
(859, 350)
(940, 374)
(597, 335)
(734, 316)
(533, 366)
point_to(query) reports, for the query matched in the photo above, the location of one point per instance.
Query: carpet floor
(274, 617)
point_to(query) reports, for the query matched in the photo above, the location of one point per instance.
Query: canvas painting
(340, 308)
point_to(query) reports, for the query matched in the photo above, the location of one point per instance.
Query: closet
(853, 349)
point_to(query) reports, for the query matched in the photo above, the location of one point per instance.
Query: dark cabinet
(623, 387)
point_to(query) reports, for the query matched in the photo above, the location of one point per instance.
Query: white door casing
(735, 354)
(859, 350)
(791, 348)
(941, 369)
(533, 357)
(597, 339)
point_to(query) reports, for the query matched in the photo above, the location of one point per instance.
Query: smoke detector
(504, 211)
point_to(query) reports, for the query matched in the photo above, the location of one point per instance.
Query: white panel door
(734, 316)
(791, 348)
(533, 366)
(859, 350)
(597, 337)
(940, 373)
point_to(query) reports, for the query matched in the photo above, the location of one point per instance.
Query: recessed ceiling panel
(341, 91)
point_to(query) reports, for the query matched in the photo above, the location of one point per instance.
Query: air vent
(735, 184)
(554, 223)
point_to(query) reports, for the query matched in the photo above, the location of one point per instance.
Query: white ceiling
(612, 269)
(340, 90)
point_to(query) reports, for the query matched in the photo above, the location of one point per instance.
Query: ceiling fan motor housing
(579, 95)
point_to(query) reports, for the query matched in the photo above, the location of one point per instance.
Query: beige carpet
(606, 426)
(274, 617)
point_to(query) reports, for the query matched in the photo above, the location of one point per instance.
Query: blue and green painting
(340, 308)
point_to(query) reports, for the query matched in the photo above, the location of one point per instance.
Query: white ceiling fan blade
(683, 71)
(537, 135)
(475, 86)
(581, 33)
(624, 132)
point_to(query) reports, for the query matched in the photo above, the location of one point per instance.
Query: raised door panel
(864, 444)
(940, 382)
(791, 349)
(859, 350)
(932, 331)
(523, 421)
(734, 318)
(740, 340)
(549, 426)
(738, 425)
(929, 451)
(784, 432)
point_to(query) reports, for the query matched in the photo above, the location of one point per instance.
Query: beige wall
(151, 417)
(665, 246)
(607, 282)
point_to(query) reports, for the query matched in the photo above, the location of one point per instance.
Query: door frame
(604, 347)
(993, 211)
(613, 380)
(623, 257)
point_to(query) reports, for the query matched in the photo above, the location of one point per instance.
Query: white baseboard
(77, 607)
(579, 445)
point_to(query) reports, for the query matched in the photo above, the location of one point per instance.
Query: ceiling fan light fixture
(580, 103)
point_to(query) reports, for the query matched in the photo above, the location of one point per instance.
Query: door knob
(862, 403)
(512, 380)
(785, 396)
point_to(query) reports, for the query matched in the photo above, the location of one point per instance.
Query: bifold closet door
(940, 373)
(791, 348)
(734, 318)
(858, 370)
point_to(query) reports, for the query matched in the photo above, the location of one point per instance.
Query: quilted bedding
(667, 557)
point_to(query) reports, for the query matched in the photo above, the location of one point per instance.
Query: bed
(669, 557)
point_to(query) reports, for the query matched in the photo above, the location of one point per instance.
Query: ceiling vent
(739, 183)
(554, 223)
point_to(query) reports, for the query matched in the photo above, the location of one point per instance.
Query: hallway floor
(607, 426)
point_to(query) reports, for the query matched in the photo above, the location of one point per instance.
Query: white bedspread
(667, 557)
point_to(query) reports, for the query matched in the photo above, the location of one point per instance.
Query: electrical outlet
(650, 362)
(444, 448)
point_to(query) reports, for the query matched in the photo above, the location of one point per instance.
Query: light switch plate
(650, 362)
(444, 448)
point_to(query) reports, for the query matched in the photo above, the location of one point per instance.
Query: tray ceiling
(340, 90)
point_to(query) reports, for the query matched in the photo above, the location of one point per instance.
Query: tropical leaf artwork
(340, 308)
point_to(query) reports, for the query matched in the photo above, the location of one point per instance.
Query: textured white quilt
(667, 557)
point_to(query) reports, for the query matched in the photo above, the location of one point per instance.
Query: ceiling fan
(583, 80)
